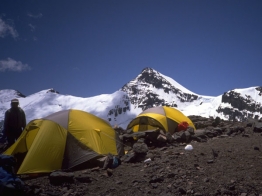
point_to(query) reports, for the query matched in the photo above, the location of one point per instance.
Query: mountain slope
(149, 89)
(239, 104)
(48, 101)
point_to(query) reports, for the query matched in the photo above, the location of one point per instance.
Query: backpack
(10, 184)
(182, 126)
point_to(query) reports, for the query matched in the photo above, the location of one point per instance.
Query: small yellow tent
(163, 117)
(63, 140)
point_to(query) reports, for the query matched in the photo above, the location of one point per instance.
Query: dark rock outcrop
(241, 107)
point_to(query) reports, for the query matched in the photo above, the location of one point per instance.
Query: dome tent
(63, 140)
(163, 117)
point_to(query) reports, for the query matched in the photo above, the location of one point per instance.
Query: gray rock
(140, 148)
(83, 178)
(161, 138)
(59, 177)
(210, 161)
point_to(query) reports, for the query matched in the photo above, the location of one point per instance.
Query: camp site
(72, 148)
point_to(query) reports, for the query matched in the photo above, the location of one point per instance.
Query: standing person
(14, 123)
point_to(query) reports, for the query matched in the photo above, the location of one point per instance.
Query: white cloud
(32, 27)
(6, 29)
(35, 16)
(13, 65)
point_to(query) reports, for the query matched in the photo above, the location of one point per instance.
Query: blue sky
(91, 47)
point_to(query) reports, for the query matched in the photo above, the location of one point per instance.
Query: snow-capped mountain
(150, 88)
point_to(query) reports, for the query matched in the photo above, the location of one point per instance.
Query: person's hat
(14, 101)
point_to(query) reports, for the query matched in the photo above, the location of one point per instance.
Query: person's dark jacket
(15, 120)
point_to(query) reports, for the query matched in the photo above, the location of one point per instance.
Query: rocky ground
(226, 160)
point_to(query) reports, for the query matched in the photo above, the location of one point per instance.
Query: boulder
(140, 147)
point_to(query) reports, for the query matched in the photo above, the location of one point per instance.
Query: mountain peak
(51, 90)
(151, 88)
(148, 69)
(151, 75)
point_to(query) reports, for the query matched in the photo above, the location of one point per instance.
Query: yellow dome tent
(63, 140)
(163, 117)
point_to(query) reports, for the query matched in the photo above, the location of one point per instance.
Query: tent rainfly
(63, 140)
(163, 117)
